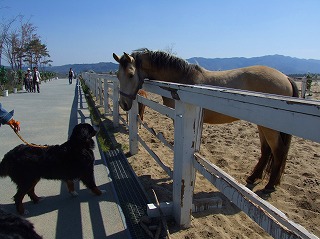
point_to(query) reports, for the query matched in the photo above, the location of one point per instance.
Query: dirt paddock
(234, 148)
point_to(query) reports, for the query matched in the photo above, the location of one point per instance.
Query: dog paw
(74, 194)
(97, 191)
(39, 199)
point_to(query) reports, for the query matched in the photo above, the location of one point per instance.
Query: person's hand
(14, 124)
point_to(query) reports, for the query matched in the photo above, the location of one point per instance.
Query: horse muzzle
(125, 103)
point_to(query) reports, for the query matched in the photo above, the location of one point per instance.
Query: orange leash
(32, 145)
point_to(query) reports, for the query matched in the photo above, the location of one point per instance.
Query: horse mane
(161, 60)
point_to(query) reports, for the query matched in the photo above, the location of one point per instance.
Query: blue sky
(78, 31)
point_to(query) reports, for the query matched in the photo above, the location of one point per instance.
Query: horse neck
(168, 75)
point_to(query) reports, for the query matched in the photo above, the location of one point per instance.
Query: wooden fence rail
(290, 115)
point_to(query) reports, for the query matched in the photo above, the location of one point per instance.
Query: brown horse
(160, 66)
(141, 107)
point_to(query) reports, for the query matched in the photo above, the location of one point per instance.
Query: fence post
(106, 96)
(96, 85)
(115, 99)
(187, 134)
(133, 128)
(100, 92)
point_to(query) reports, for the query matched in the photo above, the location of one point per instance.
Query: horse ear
(117, 58)
(129, 58)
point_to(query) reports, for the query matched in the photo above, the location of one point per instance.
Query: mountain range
(285, 64)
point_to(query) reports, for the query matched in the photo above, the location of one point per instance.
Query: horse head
(129, 79)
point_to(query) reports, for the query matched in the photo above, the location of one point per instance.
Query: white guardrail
(263, 109)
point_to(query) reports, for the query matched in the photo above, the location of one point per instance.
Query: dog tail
(3, 170)
(4, 166)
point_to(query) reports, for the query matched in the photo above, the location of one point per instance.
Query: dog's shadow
(64, 200)
(69, 209)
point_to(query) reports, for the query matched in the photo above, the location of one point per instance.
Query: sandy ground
(234, 148)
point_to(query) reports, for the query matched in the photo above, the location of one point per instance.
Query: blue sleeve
(5, 116)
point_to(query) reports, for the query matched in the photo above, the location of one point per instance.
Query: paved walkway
(48, 117)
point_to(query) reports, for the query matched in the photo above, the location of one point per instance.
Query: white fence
(285, 114)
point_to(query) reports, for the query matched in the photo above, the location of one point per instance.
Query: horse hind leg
(279, 144)
(258, 170)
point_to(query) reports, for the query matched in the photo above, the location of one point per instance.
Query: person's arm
(7, 118)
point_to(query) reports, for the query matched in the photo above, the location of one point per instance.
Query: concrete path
(48, 117)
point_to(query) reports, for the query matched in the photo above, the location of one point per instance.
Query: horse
(141, 107)
(161, 66)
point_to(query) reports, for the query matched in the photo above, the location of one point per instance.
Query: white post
(115, 99)
(133, 128)
(96, 85)
(187, 134)
(106, 96)
(100, 91)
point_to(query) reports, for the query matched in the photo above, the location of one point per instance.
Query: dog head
(82, 135)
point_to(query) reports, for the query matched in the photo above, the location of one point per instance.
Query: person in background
(36, 79)
(26, 83)
(29, 81)
(7, 118)
(71, 75)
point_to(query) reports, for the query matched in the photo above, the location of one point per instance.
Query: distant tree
(169, 49)
(17, 42)
(35, 52)
(27, 33)
(4, 31)
(11, 44)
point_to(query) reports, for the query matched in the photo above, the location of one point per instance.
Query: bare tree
(169, 49)
(17, 42)
(10, 46)
(4, 31)
(27, 34)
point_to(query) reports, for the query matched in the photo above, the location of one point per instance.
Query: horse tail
(286, 141)
(294, 87)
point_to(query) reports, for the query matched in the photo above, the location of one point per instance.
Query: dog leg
(18, 197)
(88, 181)
(97, 191)
(70, 185)
(33, 195)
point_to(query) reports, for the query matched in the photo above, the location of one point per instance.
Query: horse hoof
(250, 181)
(268, 190)
(250, 186)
